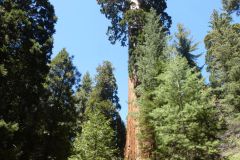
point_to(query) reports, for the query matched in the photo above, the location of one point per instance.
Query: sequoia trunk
(132, 151)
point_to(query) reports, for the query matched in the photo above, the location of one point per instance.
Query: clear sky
(81, 30)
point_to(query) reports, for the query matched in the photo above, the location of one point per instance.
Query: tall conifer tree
(186, 123)
(223, 47)
(82, 97)
(60, 108)
(26, 29)
(150, 65)
(127, 21)
(102, 100)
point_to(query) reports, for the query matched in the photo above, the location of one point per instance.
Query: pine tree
(223, 57)
(185, 46)
(101, 100)
(96, 139)
(186, 124)
(151, 52)
(150, 65)
(222, 45)
(106, 86)
(60, 108)
(104, 98)
(82, 96)
(26, 29)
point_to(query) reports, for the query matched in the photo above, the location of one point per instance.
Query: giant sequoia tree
(26, 29)
(127, 21)
(117, 10)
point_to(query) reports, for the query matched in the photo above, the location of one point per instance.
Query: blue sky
(81, 30)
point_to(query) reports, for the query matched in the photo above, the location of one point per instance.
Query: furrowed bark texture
(132, 151)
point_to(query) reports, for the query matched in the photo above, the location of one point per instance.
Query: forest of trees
(50, 111)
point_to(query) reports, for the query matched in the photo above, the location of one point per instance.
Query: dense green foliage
(103, 125)
(59, 109)
(82, 97)
(171, 87)
(223, 48)
(115, 12)
(150, 64)
(7, 131)
(47, 113)
(185, 46)
(169, 84)
(96, 139)
(26, 29)
(104, 98)
(127, 24)
(186, 123)
(41, 112)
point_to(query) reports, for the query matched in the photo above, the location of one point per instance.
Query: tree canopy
(117, 10)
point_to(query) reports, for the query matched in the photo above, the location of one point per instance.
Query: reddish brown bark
(132, 151)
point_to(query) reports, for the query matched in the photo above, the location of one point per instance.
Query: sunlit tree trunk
(132, 151)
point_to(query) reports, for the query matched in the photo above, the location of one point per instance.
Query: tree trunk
(132, 151)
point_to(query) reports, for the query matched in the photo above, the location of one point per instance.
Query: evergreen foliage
(47, 114)
(60, 108)
(223, 47)
(82, 97)
(96, 139)
(8, 148)
(127, 24)
(115, 12)
(26, 29)
(186, 124)
(150, 65)
(102, 101)
(106, 86)
(185, 46)
(104, 98)
(151, 56)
